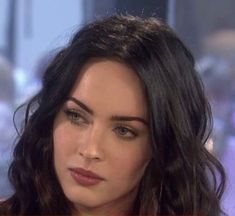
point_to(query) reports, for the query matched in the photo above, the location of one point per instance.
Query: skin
(117, 149)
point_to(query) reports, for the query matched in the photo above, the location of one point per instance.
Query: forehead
(111, 86)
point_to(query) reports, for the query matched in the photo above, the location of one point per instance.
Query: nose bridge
(92, 144)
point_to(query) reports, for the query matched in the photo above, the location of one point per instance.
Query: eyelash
(75, 117)
(73, 114)
(132, 134)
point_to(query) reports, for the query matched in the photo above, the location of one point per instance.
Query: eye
(125, 132)
(75, 117)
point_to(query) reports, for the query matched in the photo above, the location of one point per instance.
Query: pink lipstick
(85, 177)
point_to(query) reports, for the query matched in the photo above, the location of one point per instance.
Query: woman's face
(101, 138)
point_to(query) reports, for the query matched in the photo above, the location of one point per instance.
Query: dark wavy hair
(182, 177)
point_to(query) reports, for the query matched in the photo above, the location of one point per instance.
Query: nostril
(90, 155)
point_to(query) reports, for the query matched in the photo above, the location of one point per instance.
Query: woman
(119, 128)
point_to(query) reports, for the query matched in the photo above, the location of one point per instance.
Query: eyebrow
(129, 118)
(82, 105)
(113, 118)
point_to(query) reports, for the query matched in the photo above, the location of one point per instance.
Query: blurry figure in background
(218, 73)
(6, 122)
(25, 85)
(28, 85)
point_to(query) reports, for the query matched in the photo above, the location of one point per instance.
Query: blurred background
(32, 31)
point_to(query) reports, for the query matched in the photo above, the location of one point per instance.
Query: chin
(85, 199)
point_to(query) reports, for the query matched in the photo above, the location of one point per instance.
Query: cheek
(130, 163)
(126, 173)
(134, 166)
(63, 145)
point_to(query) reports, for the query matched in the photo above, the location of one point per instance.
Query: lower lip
(85, 180)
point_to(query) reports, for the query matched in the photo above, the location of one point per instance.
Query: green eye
(125, 132)
(74, 117)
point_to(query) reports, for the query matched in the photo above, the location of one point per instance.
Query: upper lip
(86, 173)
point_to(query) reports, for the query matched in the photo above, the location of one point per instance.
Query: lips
(85, 177)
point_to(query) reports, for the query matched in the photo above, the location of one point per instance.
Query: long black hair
(182, 177)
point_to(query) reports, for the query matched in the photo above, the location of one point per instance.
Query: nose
(90, 146)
